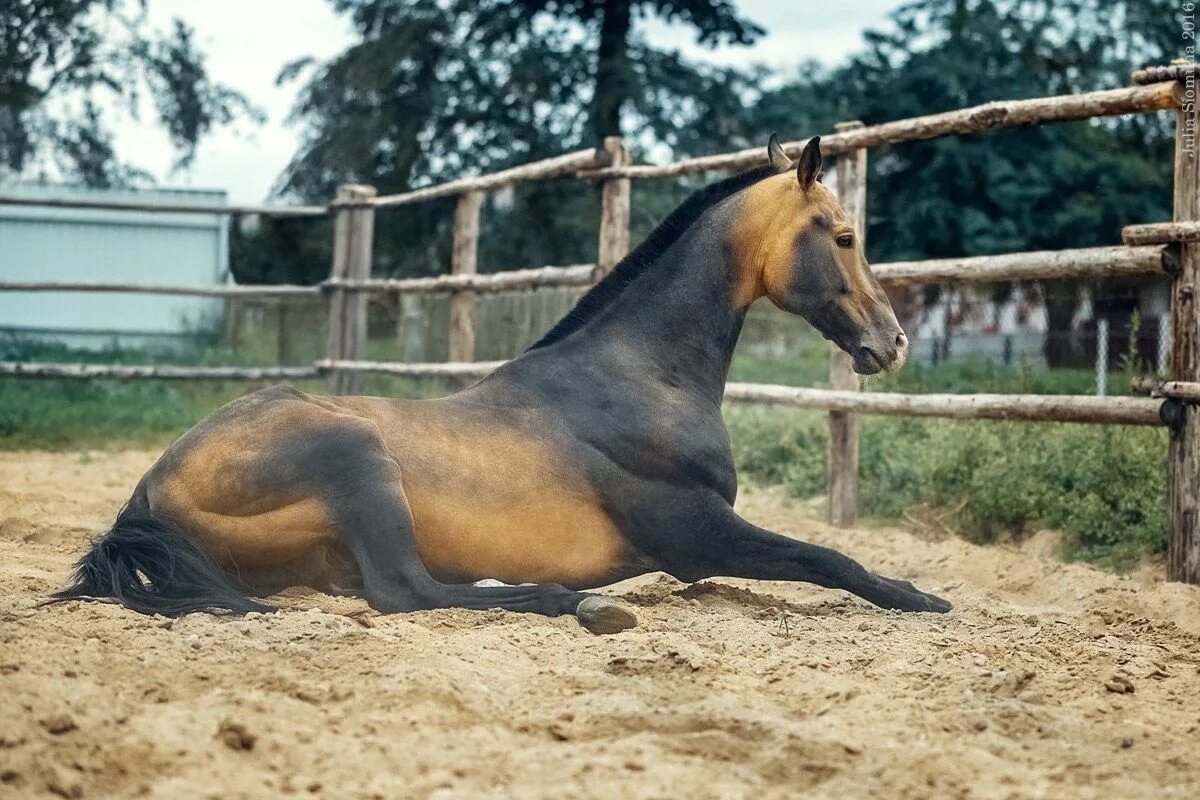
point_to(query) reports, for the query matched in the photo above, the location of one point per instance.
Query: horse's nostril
(901, 341)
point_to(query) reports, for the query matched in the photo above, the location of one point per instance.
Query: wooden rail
(445, 369)
(1161, 233)
(987, 117)
(556, 167)
(1090, 262)
(510, 280)
(1170, 72)
(1180, 390)
(1024, 407)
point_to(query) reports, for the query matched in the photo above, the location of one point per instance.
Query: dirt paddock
(1047, 680)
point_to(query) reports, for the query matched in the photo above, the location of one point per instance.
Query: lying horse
(598, 454)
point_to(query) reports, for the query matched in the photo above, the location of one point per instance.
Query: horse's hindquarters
(252, 484)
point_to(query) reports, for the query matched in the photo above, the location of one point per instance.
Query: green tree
(62, 62)
(434, 89)
(1052, 187)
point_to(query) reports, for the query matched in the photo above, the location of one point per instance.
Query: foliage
(62, 63)
(1050, 187)
(1105, 486)
(436, 89)
(432, 90)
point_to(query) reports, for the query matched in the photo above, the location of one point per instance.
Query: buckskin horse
(596, 455)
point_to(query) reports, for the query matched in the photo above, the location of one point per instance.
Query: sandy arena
(1046, 681)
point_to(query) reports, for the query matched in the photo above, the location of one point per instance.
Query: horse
(598, 454)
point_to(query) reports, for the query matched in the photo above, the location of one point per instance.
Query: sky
(246, 43)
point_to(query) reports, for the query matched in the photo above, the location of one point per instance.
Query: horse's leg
(367, 505)
(732, 547)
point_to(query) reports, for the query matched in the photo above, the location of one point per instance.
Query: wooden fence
(1171, 248)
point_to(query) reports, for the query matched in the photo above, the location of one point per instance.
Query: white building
(38, 243)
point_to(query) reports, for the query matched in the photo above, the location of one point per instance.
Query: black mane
(646, 253)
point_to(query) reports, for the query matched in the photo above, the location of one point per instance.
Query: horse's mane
(649, 251)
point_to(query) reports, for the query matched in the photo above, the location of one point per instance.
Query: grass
(110, 414)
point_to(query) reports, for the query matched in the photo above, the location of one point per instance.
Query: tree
(434, 89)
(1072, 185)
(62, 62)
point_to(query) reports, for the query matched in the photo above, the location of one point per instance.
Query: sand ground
(1046, 681)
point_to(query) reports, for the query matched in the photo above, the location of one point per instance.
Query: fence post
(614, 210)
(233, 323)
(1183, 548)
(464, 260)
(283, 344)
(842, 480)
(346, 337)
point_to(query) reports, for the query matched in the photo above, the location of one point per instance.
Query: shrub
(1105, 486)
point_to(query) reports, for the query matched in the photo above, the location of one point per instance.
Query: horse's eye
(845, 240)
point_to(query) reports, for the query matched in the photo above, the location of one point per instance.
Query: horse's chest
(683, 450)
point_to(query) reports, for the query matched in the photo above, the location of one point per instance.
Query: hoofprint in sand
(1047, 680)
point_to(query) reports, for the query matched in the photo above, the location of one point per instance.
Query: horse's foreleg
(732, 547)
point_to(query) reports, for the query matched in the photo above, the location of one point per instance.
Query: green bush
(1105, 486)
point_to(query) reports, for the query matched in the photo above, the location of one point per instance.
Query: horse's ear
(776, 156)
(809, 169)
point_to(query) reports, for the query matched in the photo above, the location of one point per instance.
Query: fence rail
(1171, 248)
(987, 117)
(1161, 233)
(1092, 262)
(1181, 390)
(557, 167)
(1026, 407)
(511, 280)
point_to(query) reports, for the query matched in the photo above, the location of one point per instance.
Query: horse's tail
(148, 564)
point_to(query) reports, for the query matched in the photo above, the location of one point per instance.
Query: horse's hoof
(604, 615)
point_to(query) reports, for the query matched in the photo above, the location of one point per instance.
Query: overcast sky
(247, 42)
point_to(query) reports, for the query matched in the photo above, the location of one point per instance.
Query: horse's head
(797, 246)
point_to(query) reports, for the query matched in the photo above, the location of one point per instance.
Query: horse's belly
(549, 536)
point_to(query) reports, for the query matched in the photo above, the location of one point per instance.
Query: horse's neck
(676, 323)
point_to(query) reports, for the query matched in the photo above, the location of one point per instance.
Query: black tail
(147, 563)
